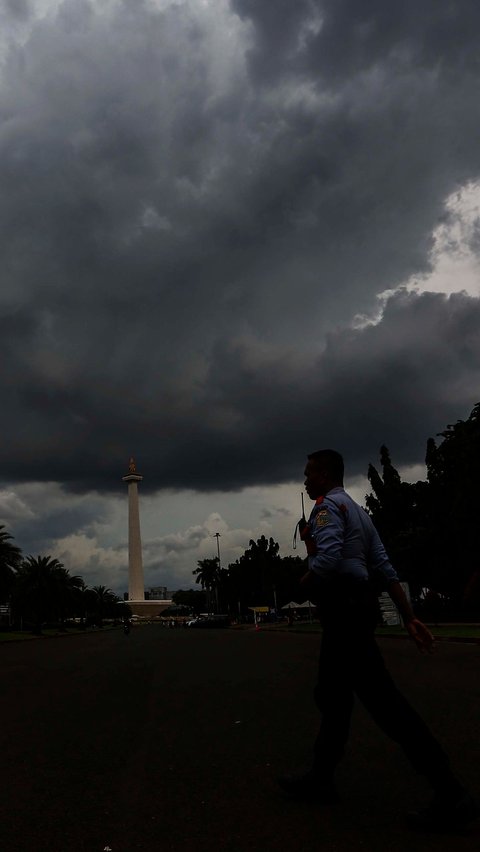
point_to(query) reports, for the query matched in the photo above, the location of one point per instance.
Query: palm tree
(10, 558)
(65, 589)
(44, 590)
(208, 576)
(82, 596)
(105, 601)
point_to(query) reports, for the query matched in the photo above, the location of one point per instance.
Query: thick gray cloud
(342, 39)
(196, 201)
(39, 513)
(18, 9)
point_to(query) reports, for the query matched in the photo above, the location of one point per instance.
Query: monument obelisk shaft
(136, 586)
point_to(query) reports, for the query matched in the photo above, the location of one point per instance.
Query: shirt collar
(337, 490)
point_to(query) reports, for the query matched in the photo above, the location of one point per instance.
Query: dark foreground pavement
(171, 740)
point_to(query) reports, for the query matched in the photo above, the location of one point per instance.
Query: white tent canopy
(305, 605)
(291, 605)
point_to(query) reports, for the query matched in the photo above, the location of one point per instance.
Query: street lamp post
(217, 536)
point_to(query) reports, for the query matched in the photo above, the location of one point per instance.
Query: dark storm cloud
(397, 382)
(180, 228)
(341, 39)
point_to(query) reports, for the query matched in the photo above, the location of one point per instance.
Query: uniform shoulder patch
(322, 518)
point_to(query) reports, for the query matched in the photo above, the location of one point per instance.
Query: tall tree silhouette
(399, 511)
(10, 559)
(258, 572)
(453, 471)
(430, 528)
(208, 575)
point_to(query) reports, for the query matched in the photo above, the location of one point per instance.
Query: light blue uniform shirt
(347, 542)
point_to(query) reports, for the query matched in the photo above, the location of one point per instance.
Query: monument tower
(136, 587)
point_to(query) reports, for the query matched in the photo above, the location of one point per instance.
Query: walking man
(346, 558)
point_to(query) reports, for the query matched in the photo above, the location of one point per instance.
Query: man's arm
(326, 533)
(417, 630)
(379, 562)
(323, 537)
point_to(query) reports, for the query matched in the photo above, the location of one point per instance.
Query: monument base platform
(148, 609)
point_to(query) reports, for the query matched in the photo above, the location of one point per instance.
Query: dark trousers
(351, 664)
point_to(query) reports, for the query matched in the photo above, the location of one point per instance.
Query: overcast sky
(231, 232)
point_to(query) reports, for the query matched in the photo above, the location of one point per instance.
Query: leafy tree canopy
(430, 528)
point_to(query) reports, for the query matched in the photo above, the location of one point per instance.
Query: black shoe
(443, 815)
(308, 786)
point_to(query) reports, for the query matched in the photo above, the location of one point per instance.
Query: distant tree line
(40, 591)
(430, 529)
(260, 577)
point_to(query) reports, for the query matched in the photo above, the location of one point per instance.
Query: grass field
(18, 635)
(440, 631)
(459, 631)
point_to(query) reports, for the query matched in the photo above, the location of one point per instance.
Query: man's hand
(417, 630)
(302, 524)
(421, 635)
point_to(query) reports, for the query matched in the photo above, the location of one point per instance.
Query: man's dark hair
(331, 461)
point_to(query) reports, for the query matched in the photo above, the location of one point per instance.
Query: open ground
(171, 740)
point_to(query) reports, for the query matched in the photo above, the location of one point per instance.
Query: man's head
(323, 472)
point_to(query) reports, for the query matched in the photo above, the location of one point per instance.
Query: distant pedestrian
(345, 557)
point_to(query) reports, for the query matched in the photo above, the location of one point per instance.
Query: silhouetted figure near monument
(345, 555)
